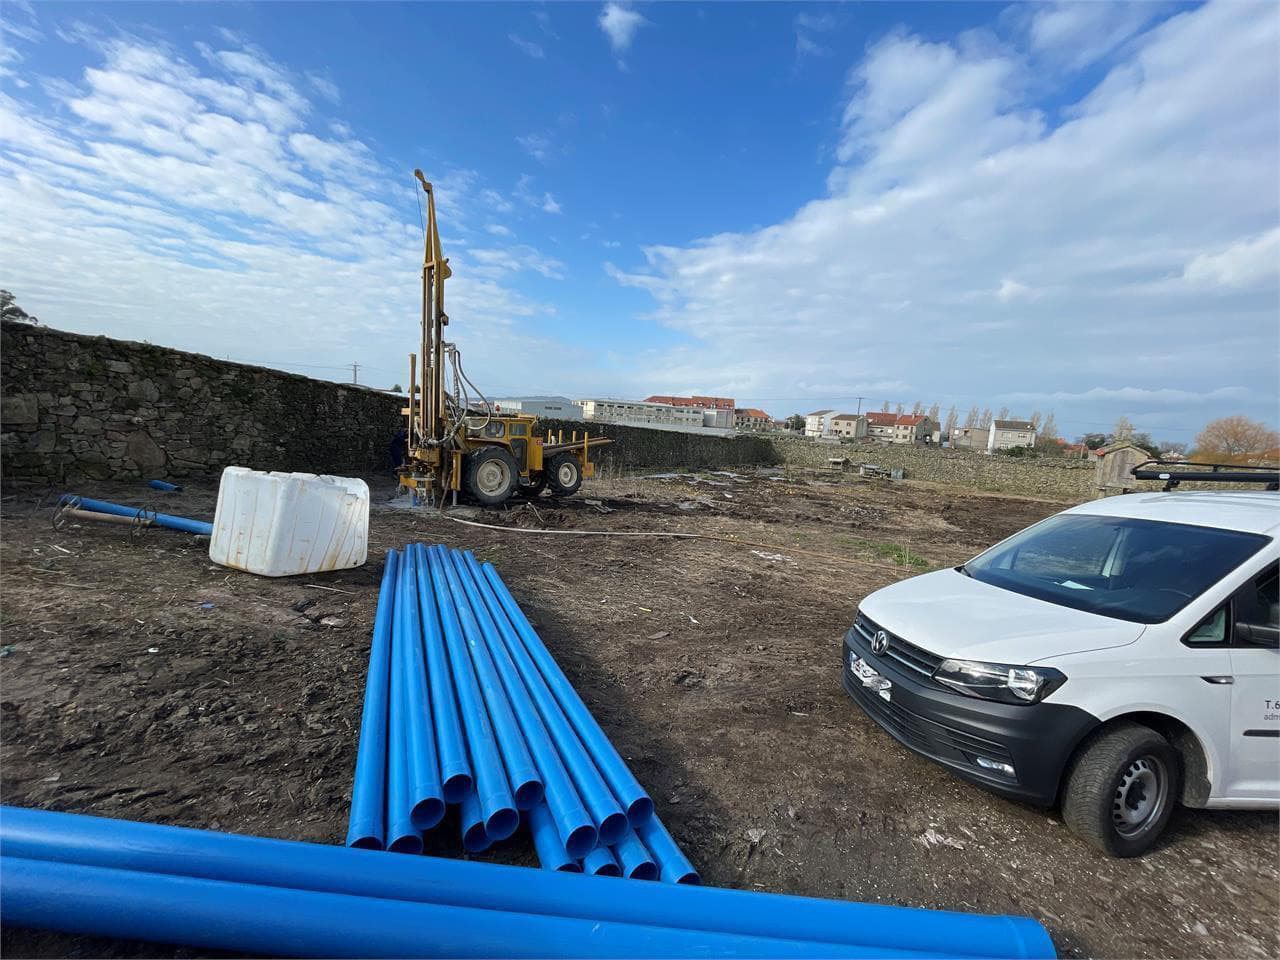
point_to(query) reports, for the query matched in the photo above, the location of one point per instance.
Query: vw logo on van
(880, 642)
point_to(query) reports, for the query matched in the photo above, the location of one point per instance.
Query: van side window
(1212, 629)
(1260, 605)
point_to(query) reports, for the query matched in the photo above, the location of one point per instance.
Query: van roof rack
(1155, 469)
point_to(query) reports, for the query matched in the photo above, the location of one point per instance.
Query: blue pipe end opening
(645, 870)
(613, 828)
(528, 795)
(474, 839)
(427, 813)
(581, 841)
(641, 809)
(457, 788)
(502, 824)
(409, 843)
(365, 843)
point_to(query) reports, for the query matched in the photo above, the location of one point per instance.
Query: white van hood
(953, 615)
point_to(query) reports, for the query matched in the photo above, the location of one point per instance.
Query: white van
(1116, 658)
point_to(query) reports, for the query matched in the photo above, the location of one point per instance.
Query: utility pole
(860, 399)
(355, 372)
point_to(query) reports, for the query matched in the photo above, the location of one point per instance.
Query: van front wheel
(1121, 788)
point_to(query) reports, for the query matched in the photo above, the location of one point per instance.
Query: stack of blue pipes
(464, 705)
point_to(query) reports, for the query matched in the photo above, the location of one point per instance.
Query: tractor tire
(1121, 788)
(564, 474)
(490, 476)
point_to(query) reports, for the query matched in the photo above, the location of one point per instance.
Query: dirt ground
(140, 681)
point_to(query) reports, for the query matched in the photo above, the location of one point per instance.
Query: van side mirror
(1258, 634)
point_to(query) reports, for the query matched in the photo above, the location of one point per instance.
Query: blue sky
(1060, 207)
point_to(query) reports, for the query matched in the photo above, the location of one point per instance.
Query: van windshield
(1143, 571)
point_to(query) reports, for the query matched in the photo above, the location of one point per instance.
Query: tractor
(455, 442)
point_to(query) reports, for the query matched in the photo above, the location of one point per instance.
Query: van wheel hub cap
(1140, 796)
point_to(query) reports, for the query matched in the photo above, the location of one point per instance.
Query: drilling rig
(459, 443)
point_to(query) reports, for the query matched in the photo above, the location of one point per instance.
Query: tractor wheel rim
(1140, 796)
(567, 473)
(492, 477)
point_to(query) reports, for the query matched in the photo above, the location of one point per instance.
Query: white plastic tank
(284, 524)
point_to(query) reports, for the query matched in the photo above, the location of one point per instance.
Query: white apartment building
(655, 416)
(550, 408)
(818, 423)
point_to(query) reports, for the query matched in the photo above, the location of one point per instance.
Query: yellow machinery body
(451, 447)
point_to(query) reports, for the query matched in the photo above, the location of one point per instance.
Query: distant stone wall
(636, 448)
(1050, 477)
(74, 407)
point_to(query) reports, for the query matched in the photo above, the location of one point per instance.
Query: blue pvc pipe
(637, 863)
(424, 769)
(95, 841)
(522, 772)
(609, 817)
(601, 863)
(625, 787)
(185, 524)
(673, 865)
(547, 843)
(367, 825)
(572, 821)
(474, 839)
(489, 777)
(280, 921)
(165, 485)
(455, 768)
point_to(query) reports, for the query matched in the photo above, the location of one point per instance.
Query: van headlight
(999, 681)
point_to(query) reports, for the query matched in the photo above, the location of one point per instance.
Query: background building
(552, 408)
(818, 423)
(850, 426)
(655, 416)
(749, 418)
(1007, 434)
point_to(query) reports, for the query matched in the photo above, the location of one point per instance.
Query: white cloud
(954, 193)
(498, 230)
(1255, 260)
(550, 204)
(527, 47)
(1078, 34)
(537, 145)
(212, 206)
(620, 24)
(807, 26)
(325, 87)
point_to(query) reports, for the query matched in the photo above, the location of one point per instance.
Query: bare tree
(1172, 448)
(950, 427)
(1003, 414)
(917, 409)
(1237, 440)
(934, 413)
(985, 420)
(898, 411)
(1048, 429)
(885, 408)
(1036, 417)
(971, 418)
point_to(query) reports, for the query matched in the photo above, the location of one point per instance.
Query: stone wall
(1054, 478)
(636, 448)
(74, 407)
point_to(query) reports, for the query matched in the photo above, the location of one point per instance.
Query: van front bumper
(955, 730)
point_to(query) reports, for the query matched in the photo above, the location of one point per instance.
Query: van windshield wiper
(961, 569)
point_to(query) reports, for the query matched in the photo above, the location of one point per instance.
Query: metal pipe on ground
(673, 865)
(522, 773)
(424, 767)
(489, 776)
(451, 747)
(283, 921)
(637, 863)
(96, 841)
(185, 524)
(366, 827)
(625, 787)
(547, 843)
(572, 821)
(609, 817)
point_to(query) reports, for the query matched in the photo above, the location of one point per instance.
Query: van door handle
(1219, 680)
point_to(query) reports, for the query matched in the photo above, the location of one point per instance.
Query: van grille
(906, 655)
